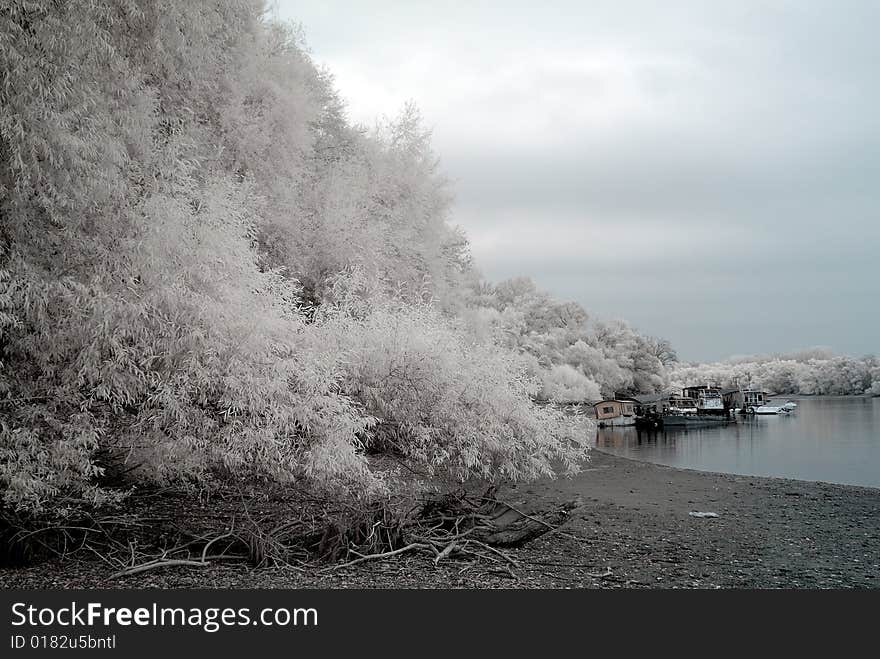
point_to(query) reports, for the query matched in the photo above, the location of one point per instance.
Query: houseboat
(659, 404)
(708, 397)
(662, 410)
(649, 410)
(681, 405)
(616, 412)
(743, 400)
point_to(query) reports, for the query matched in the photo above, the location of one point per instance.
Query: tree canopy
(206, 270)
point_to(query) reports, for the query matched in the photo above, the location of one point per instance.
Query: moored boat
(709, 399)
(616, 412)
(769, 409)
(695, 407)
(693, 420)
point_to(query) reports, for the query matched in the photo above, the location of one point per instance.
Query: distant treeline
(575, 358)
(810, 372)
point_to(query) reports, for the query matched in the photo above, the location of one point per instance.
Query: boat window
(607, 410)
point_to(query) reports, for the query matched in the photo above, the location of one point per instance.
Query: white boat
(770, 409)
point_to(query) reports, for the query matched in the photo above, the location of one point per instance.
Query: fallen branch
(446, 551)
(143, 567)
(498, 552)
(527, 527)
(387, 554)
(212, 541)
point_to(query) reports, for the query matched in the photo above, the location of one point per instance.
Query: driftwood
(507, 526)
(495, 522)
(156, 563)
(294, 532)
(456, 525)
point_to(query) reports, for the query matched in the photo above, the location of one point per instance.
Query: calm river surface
(832, 439)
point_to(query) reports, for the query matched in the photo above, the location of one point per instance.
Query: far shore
(633, 530)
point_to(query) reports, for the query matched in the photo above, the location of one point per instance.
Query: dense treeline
(206, 270)
(809, 372)
(577, 359)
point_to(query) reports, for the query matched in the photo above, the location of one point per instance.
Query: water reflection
(834, 439)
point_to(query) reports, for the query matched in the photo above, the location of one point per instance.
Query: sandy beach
(633, 530)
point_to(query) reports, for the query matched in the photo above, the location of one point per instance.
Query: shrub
(454, 407)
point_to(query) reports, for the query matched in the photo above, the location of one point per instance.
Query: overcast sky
(709, 171)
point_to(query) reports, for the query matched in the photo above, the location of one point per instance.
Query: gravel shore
(634, 530)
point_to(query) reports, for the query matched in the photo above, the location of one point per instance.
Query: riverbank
(634, 530)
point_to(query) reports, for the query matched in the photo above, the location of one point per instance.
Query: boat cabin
(609, 409)
(753, 397)
(708, 397)
(744, 398)
(654, 404)
(682, 405)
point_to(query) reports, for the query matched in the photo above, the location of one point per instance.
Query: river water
(832, 439)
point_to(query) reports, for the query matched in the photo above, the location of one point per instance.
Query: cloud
(725, 145)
